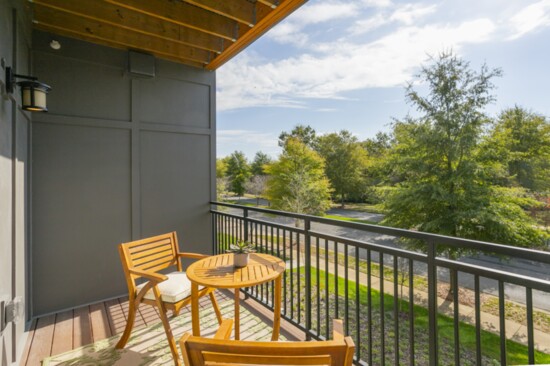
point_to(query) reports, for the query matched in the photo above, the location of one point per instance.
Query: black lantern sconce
(33, 92)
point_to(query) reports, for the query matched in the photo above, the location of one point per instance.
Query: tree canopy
(298, 182)
(259, 162)
(446, 188)
(345, 163)
(238, 172)
(305, 134)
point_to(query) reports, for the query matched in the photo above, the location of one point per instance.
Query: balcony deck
(58, 333)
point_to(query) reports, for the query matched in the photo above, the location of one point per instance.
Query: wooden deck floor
(62, 332)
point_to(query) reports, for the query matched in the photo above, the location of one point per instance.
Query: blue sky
(343, 64)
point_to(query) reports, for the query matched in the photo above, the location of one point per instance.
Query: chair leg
(129, 324)
(168, 330)
(216, 308)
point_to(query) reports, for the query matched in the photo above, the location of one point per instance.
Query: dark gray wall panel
(14, 149)
(116, 159)
(175, 102)
(81, 211)
(175, 188)
(84, 89)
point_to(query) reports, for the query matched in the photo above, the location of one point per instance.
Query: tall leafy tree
(238, 172)
(260, 161)
(298, 182)
(447, 189)
(345, 163)
(306, 134)
(520, 141)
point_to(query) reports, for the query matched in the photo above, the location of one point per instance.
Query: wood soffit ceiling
(199, 33)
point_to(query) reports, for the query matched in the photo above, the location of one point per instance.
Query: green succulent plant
(241, 247)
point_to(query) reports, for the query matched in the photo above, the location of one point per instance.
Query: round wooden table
(218, 272)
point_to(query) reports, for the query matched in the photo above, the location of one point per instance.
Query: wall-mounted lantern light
(33, 92)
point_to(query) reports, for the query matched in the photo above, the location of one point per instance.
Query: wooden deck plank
(42, 341)
(63, 333)
(149, 315)
(117, 319)
(82, 330)
(28, 344)
(100, 323)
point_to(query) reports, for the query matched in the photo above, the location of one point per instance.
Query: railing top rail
(502, 249)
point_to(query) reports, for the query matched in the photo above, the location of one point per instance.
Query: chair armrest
(152, 276)
(193, 255)
(337, 329)
(224, 331)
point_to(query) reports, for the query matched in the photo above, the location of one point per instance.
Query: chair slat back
(203, 352)
(150, 254)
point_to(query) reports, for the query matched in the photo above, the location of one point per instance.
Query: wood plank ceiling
(199, 33)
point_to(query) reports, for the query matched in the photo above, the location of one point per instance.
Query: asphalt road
(512, 265)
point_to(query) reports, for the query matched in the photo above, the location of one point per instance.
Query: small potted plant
(240, 251)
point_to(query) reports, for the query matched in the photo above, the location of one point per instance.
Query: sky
(344, 64)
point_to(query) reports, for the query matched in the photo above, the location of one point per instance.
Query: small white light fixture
(33, 92)
(54, 44)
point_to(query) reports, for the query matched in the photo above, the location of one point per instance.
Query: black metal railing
(400, 299)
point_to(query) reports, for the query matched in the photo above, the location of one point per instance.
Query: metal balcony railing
(392, 288)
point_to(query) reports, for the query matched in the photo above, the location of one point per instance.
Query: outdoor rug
(148, 346)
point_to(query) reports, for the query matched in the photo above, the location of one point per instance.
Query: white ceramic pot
(240, 260)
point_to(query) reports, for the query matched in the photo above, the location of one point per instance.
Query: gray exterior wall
(15, 42)
(116, 158)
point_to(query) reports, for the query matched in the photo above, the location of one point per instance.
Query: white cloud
(529, 19)
(406, 14)
(409, 13)
(377, 3)
(341, 66)
(366, 25)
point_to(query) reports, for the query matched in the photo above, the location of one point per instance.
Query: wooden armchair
(220, 350)
(144, 259)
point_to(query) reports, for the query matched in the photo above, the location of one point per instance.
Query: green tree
(447, 189)
(298, 182)
(520, 141)
(306, 134)
(259, 162)
(221, 167)
(238, 172)
(345, 163)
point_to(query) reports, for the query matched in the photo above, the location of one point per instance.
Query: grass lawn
(343, 218)
(516, 353)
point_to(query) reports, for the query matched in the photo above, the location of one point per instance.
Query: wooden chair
(144, 259)
(221, 351)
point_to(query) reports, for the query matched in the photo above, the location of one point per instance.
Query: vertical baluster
(318, 275)
(396, 310)
(369, 305)
(346, 290)
(357, 307)
(411, 312)
(285, 273)
(307, 279)
(382, 313)
(502, 313)
(298, 278)
(291, 277)
(272, 292)
(530, 331)
(456, 316)
(478, 320)
(327, 314)
(336, 299)
(432, 304)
